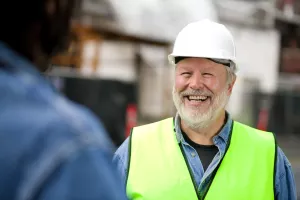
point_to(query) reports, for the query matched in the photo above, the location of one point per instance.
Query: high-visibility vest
(158, 169)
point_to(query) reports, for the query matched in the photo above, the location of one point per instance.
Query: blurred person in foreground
(50, 148)
(202, 153)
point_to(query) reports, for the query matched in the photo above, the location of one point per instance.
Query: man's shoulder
(154, 124)
(123, 149)
(41, 133)
(255, 134)
(50, 117)
(78, 121)
(151, 132)
(248, 127)
(31, 104)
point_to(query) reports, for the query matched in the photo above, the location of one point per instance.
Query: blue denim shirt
(51, 148)
(285, 183)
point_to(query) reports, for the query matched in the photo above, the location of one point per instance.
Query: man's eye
(186, 73)
(207, 74)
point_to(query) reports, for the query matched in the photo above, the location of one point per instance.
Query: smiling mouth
(198, 98)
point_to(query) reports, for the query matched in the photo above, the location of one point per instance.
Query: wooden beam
(109, 35)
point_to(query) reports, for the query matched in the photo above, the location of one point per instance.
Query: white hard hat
(205, 39)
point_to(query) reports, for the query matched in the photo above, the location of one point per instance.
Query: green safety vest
(158, 169)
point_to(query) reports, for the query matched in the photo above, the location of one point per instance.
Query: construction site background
(117, 64)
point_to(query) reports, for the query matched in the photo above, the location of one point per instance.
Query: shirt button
(193, 154)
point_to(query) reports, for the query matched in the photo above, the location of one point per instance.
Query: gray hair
(231, 75)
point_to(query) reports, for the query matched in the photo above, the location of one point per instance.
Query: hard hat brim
(171, 59)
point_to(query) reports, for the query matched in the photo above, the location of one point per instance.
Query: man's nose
(196, 82)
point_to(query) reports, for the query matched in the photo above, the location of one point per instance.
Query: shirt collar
(223, 134)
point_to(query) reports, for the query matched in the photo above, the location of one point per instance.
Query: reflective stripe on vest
(158, 170)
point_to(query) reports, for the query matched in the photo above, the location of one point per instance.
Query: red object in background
(131, 118)
(282, 3)
(263, 119)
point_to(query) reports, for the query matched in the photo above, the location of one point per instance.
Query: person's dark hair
(27, 23)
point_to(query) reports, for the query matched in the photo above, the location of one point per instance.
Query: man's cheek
(180, 84)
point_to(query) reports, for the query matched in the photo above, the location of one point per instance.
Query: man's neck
(205, 136)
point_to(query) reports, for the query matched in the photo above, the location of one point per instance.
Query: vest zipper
(190, 171)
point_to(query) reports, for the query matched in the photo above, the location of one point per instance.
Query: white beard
(196, 119)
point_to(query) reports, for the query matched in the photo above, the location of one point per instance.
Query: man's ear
(230, 86)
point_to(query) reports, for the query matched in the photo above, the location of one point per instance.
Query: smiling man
(202, 153)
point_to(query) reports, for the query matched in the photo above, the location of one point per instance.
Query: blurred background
(117, 65)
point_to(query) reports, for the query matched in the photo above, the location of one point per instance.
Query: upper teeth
(198, 97)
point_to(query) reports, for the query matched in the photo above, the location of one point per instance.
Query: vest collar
(223, 134)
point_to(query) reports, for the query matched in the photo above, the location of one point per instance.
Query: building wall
(155, 83)
(258, 61)
(117, 61)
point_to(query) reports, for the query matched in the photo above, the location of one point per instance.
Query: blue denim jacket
(51, 148)
(285, 183)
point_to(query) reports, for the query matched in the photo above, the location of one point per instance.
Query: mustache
(191, 92)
